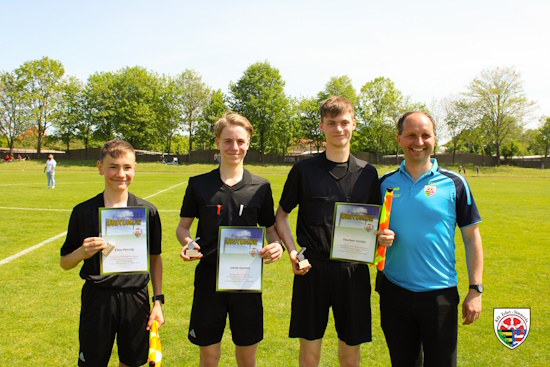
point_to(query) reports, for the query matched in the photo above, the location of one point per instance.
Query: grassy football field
(40, 302)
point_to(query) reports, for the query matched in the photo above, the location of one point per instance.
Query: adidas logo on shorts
(192, 333)
(81, 357)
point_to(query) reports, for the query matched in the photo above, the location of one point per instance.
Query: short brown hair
(231, 118)
(115, 148)
(404, 117)
(334, 106)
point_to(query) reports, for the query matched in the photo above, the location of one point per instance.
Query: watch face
(477, 287)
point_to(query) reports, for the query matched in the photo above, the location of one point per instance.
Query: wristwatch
(477, 287)
(159, 297)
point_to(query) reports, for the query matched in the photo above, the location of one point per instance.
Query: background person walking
(50, 171)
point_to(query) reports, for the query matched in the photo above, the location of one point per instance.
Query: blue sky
(430, 49)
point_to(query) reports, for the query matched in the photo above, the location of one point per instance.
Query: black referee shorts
(210, 310)
(341, 285)
(108, 312)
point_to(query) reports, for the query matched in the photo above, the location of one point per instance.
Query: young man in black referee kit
(314, 185)
(226, 196)
(114, 304)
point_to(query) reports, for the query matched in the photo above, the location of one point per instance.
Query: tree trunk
(262, 147)
(190, 146)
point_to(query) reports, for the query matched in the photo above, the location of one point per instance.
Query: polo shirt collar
(353, 166)
(132, 201)
(431, 172)
(247, 178)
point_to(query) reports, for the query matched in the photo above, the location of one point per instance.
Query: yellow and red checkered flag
(155, 351)
(380, 257)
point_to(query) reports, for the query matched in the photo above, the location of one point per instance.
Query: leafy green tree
(68, 112)
(259, 96)
(41, 79)
(457, 119)
(85, 125)
(168, 111)
(13, 118)
(136, 93)
(380, 105)
(124, 105)
(213, 110)
(194, 94)
(101, 105)
(512, 148)
(180, 144)
(500, 103)
(544, 137)
(287, 131)
(339, 86)
(308, 109)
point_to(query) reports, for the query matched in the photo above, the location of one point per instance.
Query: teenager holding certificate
(226, 196)
(315, 185)
(114, 303)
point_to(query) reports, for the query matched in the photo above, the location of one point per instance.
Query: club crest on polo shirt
(396, 194)
(511, 325)
(430, 190)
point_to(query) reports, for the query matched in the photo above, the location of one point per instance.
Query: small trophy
(107, 250)
(191, 252)
(302, 261)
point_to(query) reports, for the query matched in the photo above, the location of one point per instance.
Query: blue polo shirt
(424, 216)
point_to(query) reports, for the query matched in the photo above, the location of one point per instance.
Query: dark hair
(334, 106)
(115, 148)
(404, 117)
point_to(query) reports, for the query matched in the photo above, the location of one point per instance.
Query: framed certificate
(353, 237)
(125, 231)
(239, 263)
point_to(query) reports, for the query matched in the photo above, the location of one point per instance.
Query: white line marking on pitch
(161, 191)
(32, 248)
(36, 209)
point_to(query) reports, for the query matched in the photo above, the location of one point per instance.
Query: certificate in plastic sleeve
(353, 232)
(239, 263)
(125, 231)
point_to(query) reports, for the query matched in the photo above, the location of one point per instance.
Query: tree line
(176, 114)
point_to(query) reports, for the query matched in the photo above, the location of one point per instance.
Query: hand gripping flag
(155, 351)
(380, 257)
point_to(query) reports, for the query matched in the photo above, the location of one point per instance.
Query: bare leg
(210, 355)
(246, 356)
(310, 352)
(349, 355)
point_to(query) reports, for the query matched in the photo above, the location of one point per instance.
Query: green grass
(41, 302)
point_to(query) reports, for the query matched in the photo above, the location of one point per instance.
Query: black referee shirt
(84, 223)
(215, 204)
(311, 186)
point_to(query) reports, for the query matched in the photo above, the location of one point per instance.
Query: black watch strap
(477, 287)
(159, 297)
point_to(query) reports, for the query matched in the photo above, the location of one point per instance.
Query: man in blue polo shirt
(418, 289)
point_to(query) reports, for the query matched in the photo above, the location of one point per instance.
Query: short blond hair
(231, 118)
